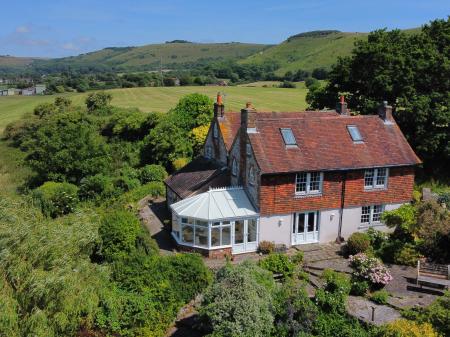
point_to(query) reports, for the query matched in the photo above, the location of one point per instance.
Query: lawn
(162, 99)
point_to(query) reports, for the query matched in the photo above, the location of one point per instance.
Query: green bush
(297, 258)
(118, 230)
(128, 179)
(331, 298)
(358, 243)
(278, 263)
(377, 238)
(56, 199)
(237, 305)
(338, 325)
(407, 255)
(266, 247)
(405, 328)
(359, 287)
(152, 173)
(98, 186)
(380, 296)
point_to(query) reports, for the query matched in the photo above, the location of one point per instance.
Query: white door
(305, 228)
(245, 236)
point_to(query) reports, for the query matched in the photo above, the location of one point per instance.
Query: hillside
(148, 57)
(308, 50)
(13, 64)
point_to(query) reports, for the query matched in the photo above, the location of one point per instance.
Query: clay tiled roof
(325, 144)
(197, 177)
(229, 125)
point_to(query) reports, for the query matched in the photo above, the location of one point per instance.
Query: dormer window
(354, 133)
(376, 178)
(288, 137)
(234, 167)
(215, 131)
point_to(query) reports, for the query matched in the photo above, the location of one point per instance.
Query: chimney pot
(341, 107)
(219, 108)
(385, 112)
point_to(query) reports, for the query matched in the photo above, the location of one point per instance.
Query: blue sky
(54, 28)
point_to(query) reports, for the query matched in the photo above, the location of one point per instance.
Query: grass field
(162, 99)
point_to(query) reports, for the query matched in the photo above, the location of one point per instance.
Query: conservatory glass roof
(220, 203)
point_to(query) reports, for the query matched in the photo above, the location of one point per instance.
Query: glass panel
(301, 223)
(201, 236)
(365, 214)
(354, 133)
(252, 230)
(381, 177)
(191, 221)
(176, 228)
(377, 210)
(225, 223)
(226, 236)
(314, 182)
(201, 223)
(300, 183)
(311, 217)
(288, 137)
(238, 232)
(184, 220)
(215, 236)
(368, 178)
(187, 234)
(216, 223)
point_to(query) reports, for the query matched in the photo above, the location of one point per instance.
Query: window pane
(377, 210)
(216, 223)
(187, 234)
(201, 223)
(239, 232)
(176, 228)
(311, 217)
(226, 236)
(252, 230)
(215, 237)
(300, 182)
(288, 137)
(368, 178)
(365, 214)
(225, 223)
(191, 221)
(301, 223)
(201, 236)
(184, 220)
(354, 133)
(381, 176)
(314, 182)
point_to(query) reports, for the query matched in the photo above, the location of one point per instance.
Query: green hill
(148, 57)
(308, 50)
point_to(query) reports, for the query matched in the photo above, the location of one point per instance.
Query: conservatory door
(245, 236)
(305, 228)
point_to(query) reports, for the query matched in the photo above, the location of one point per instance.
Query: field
(161, 99)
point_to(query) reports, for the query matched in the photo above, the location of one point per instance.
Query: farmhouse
(289, 177)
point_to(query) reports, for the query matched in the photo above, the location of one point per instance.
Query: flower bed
(370, 269)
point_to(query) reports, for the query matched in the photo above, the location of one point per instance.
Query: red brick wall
(278, 191)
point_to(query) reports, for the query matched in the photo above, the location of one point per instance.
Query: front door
(245, 236)
(305, 228)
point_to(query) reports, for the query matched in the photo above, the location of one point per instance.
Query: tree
(67, 147)
(98, 101)
(411, 72)
(192, 111)
(56, 199)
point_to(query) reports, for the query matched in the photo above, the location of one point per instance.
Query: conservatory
(222, 218)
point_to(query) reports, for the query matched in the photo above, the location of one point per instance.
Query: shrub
(278, 263)
(56, 199)
(98, 186)
(370, 269)
(236, 304)
(128, 179)
(380, 296)
(403, 219)
(297, 258)
(377, 238)
(358, 243)
(405, 328)
(287, 84)
(336, 282)
(331, 298)
(98, 101)
(359, 287)
(179, 163)
(266, 247)
(407, 256)
(337, 325)
(118, 230)
(152, 173)
(444, 198)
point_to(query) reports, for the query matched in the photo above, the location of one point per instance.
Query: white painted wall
(351, 220)
(328, 225)
(272, 229)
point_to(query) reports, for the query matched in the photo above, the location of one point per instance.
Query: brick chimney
(219, 108)
(248, 125)
(341, 106)
(385, 113)
(248, 118)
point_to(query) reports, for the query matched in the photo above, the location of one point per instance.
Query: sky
(56, 28)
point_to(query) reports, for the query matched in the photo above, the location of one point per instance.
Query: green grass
(161, 99)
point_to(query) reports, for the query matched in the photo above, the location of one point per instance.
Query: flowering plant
(370, 269)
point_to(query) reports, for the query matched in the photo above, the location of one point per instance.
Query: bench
(435, 274)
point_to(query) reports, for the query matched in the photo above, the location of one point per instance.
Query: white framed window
(208, 152)
(234, 167)
(308, 183)
(215, 131)
(203, 234)
(251, 175)
(376, 178)
(249, 149)
(371, 215)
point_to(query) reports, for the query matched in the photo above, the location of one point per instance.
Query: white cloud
(69, 46)
(23, 29)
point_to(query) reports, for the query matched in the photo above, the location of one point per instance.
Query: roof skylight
(354, 133)
(288, 136)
